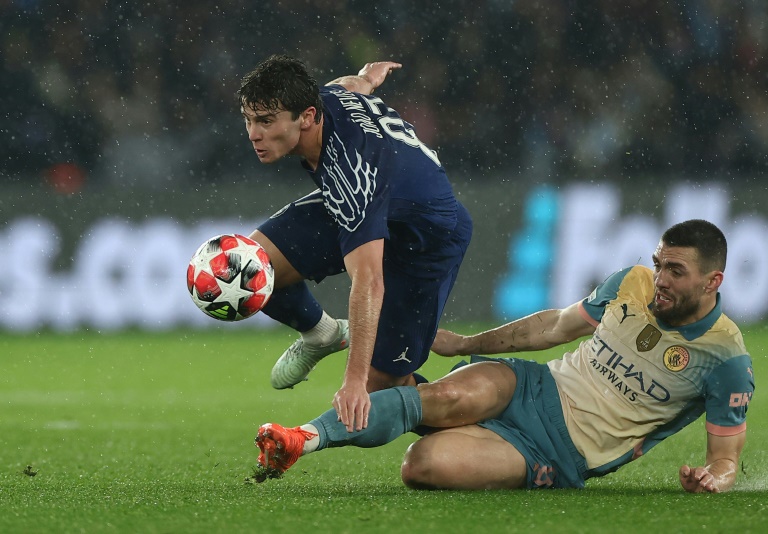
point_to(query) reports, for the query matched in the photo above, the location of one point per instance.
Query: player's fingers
(354, 418)
(366, 411)
(687, 479)
(367, 69)
(347, 415)
(343, 412)
(359, 416)
(387, 66)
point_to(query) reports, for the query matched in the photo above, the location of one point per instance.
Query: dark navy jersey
(380, 182)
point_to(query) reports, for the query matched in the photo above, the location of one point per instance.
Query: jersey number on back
(395, 127)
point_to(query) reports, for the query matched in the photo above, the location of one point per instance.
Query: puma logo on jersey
(402, 357)
(625, 311)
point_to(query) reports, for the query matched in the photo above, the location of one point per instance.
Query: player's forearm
(365, 301)
(371, 76)
(534, 332)
(354, 83)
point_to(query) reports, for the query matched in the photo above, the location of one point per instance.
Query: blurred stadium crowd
(142, 92)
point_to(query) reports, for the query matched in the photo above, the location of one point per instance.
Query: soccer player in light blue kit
(384, 212)
(660, 353)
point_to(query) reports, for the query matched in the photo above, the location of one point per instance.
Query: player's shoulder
(630, 286)
(727, 334)
(348, 117)
(639, 274)
(633, 275)
(339, 97)
(637, 283)
(333, 89)
(629, 280)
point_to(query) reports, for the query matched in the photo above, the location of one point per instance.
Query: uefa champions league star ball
(230, 277)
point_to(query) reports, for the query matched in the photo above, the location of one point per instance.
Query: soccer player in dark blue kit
(384, 212)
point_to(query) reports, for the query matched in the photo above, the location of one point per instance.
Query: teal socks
(394, 412)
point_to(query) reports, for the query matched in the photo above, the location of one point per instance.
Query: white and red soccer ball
(230, 277)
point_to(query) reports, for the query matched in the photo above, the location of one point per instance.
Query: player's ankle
(323, 333)
(313, 442)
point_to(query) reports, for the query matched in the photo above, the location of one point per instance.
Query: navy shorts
(533, 423)
(307, 235)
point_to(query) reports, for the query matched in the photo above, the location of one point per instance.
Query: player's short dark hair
(280, 82)
(705, 237)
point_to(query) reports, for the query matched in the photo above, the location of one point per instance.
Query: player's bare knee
(417, 467)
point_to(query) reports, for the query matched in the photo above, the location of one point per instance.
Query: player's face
(273, 134)
(680, 285)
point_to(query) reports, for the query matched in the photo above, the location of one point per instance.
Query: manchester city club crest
(676, 358)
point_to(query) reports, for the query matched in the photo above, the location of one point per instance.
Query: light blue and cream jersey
(636, 381)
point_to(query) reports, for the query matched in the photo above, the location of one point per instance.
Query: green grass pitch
(153, 432)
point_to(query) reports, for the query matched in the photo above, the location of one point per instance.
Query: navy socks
(294, 306)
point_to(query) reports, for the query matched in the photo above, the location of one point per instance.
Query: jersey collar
(700, 327)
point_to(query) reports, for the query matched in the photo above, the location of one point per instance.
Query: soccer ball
(230, 277)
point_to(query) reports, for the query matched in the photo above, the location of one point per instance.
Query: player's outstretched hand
(697, 480)
(448, 343)
(375, 73)
(352, 404)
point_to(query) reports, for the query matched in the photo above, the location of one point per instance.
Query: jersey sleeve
(594, 305)
(728, 392)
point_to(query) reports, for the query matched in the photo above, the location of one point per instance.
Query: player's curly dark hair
(705, 237)
(280, 82)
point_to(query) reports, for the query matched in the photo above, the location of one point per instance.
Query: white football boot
(300, 358)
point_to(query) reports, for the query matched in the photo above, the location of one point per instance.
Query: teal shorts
(533, 423)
